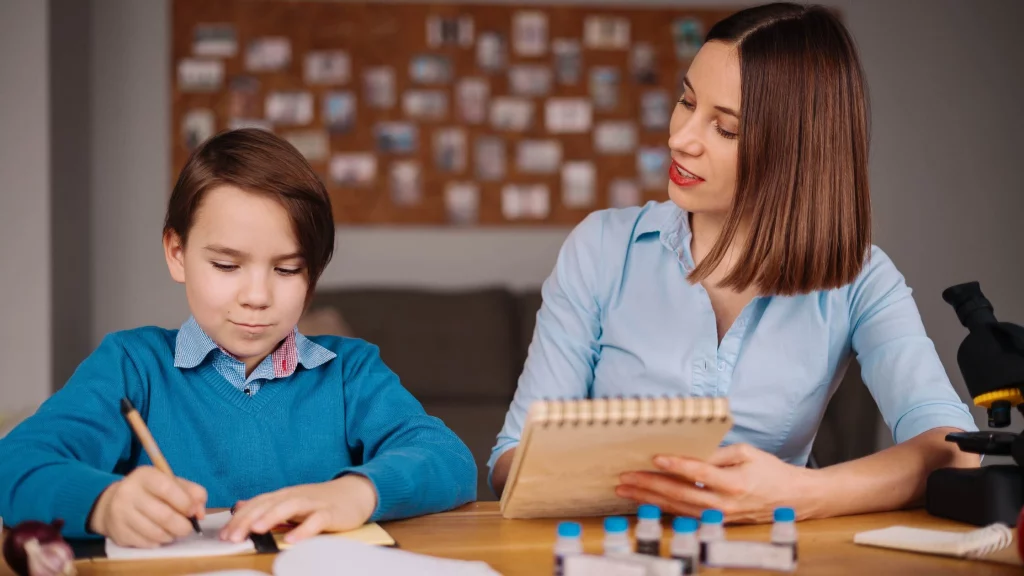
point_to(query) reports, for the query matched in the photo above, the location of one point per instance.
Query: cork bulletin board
(444, 115)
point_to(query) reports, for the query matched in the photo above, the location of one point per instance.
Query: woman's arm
(499, 472)
(899, 364)
(890, 479)
(901, 368)
(747, 484)
(564, 349)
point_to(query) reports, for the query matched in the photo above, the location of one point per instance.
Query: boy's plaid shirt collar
(193, 346)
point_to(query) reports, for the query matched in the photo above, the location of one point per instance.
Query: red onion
(1020, 534)
(36, 549)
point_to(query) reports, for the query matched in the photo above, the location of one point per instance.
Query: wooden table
(512, 547)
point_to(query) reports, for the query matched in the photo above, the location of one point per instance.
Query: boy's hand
(147, 508)
(341, 504)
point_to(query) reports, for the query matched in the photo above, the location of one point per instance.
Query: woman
(756, 281)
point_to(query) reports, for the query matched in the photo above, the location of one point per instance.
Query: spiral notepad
(572, 452)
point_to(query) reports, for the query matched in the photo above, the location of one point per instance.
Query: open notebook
(572, 451)
(207, 543)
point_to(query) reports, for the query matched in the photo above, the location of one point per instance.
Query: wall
(947, 134)
(26, 351)
(130, 176)
(945, 171)
(71, 167)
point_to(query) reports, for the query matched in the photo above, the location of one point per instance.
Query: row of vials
(693, 544)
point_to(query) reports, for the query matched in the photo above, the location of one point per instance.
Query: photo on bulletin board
(472, 95)
(380, 86)
(475, 115)
(568, 60)
(578, 184)
(489, 152)
(339, 111)
(462, 202)
(200, 75)
(491, 52)
(214, 39)
(450, 150)
(244, 97)
(406, 183)
(312, 144)
(327, 67)
(353, 170)
(268, 54)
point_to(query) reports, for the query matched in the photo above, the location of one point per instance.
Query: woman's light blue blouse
(620, 319)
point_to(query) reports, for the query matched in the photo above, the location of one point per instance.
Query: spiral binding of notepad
(984, 541)
(627, 411)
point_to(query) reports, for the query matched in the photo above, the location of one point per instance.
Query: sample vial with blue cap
(569, 541)
(784, 529)
(711, 530)
(648, 530)
(616, 536)
(684, 546)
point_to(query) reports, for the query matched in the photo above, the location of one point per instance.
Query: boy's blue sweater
(349, 415)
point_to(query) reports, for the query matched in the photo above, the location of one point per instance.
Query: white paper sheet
(231, 573)
(323, 555)
(194, 545)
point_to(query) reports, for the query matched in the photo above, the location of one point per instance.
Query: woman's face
(703, 133)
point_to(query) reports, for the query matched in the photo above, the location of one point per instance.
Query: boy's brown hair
(802, 182)
(259, 162)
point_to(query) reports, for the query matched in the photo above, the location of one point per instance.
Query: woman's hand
(745, 483)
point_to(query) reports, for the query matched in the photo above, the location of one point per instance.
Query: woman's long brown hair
(802, 184)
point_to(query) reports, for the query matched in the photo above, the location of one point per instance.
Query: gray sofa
(460, 353)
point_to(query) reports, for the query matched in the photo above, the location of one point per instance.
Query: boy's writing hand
(147, 508)
(341, 504)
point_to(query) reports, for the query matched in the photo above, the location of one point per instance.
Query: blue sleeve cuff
(404, 491)
(77, 496)
(924, 418)
(379, 477)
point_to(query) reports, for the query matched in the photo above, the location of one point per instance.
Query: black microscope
(991, 359)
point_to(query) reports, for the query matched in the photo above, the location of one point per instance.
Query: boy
(248, 411)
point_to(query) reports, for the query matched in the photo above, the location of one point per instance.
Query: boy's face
(245, 281)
